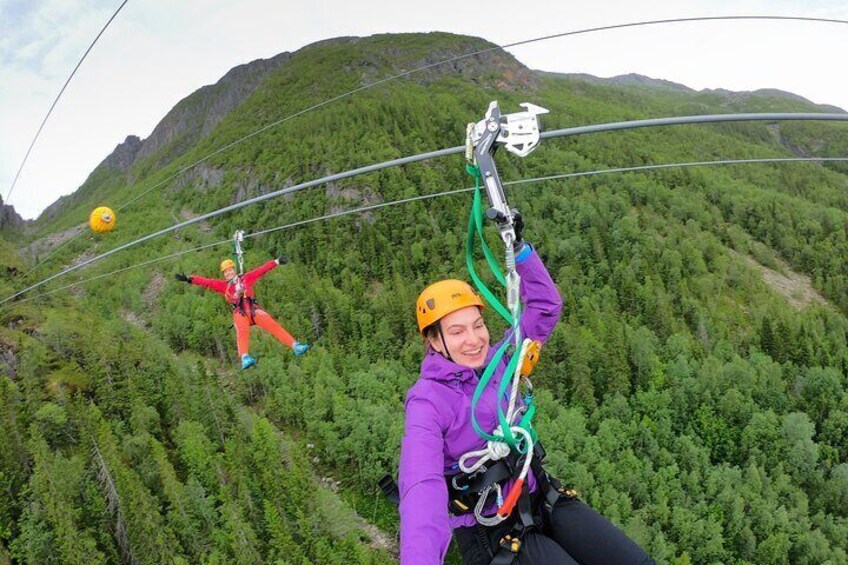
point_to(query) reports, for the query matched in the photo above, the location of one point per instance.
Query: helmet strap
(446, 354)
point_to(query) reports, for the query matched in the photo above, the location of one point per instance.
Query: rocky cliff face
(196, 115)
(191, 119)
(119, 161)
(400, 53)
(9, 219)
(124, 154)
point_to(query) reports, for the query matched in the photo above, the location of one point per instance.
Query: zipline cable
(363, 209)
(446, 61)
(679, 120)
(50, 111)
(671, 21)
(123, 269)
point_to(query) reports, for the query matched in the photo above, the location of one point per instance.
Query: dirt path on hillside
(795, 287)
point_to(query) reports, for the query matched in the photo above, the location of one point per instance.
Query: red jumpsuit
(246, 313)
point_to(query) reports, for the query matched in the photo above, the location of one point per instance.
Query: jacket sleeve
(424, 528)
(251, 277)
(217, 285)
(542, 302)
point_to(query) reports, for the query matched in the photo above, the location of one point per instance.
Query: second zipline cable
(679, 120)
(362, 209)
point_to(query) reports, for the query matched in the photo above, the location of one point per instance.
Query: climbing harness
(532, 507)
(511, 448)
(250, 311)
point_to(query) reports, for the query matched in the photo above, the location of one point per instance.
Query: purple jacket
(438, 425)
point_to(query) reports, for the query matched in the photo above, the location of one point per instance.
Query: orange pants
(262, 319)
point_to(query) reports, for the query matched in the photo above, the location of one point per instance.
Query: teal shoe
(300, 348)
(247, 361)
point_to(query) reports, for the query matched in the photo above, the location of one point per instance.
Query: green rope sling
(475, 231)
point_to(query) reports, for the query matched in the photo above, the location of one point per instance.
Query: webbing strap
(506, 381)
(527, 421)
(475, 231)
(481, 386)
(504, 557)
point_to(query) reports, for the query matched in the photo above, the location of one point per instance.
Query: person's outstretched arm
(251, 277)
(217, 285)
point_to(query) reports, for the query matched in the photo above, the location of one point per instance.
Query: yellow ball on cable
(102, 219)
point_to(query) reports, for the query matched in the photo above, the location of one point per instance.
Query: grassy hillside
(687, 399)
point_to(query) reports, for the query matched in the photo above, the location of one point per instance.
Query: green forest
(689, 398)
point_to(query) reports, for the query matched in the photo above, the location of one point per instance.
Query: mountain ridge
(183, 125)
(635, 79)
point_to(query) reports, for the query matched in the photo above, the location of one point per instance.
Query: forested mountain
(695, 391)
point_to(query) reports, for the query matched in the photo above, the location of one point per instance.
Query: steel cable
(371, 207)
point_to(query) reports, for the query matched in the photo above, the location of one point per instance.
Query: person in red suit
(238, 291)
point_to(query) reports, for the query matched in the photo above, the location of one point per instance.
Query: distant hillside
(196, 115)
(637, 80)
(631, 79)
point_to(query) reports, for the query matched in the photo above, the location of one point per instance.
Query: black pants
(573, 533)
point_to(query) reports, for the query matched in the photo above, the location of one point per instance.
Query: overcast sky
(157, 52)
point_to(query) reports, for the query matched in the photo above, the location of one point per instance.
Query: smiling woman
(435, 498)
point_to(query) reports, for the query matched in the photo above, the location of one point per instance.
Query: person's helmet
(441, 298)
(227, 264)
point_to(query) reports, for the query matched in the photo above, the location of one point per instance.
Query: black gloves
(518, 226)
(181, 277)
(282, 260)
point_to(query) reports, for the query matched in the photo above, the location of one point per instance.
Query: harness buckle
(510, 543)
(568, 492)
(462, 481)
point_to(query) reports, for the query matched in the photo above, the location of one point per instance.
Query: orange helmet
(441, 298)
(227, 264)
